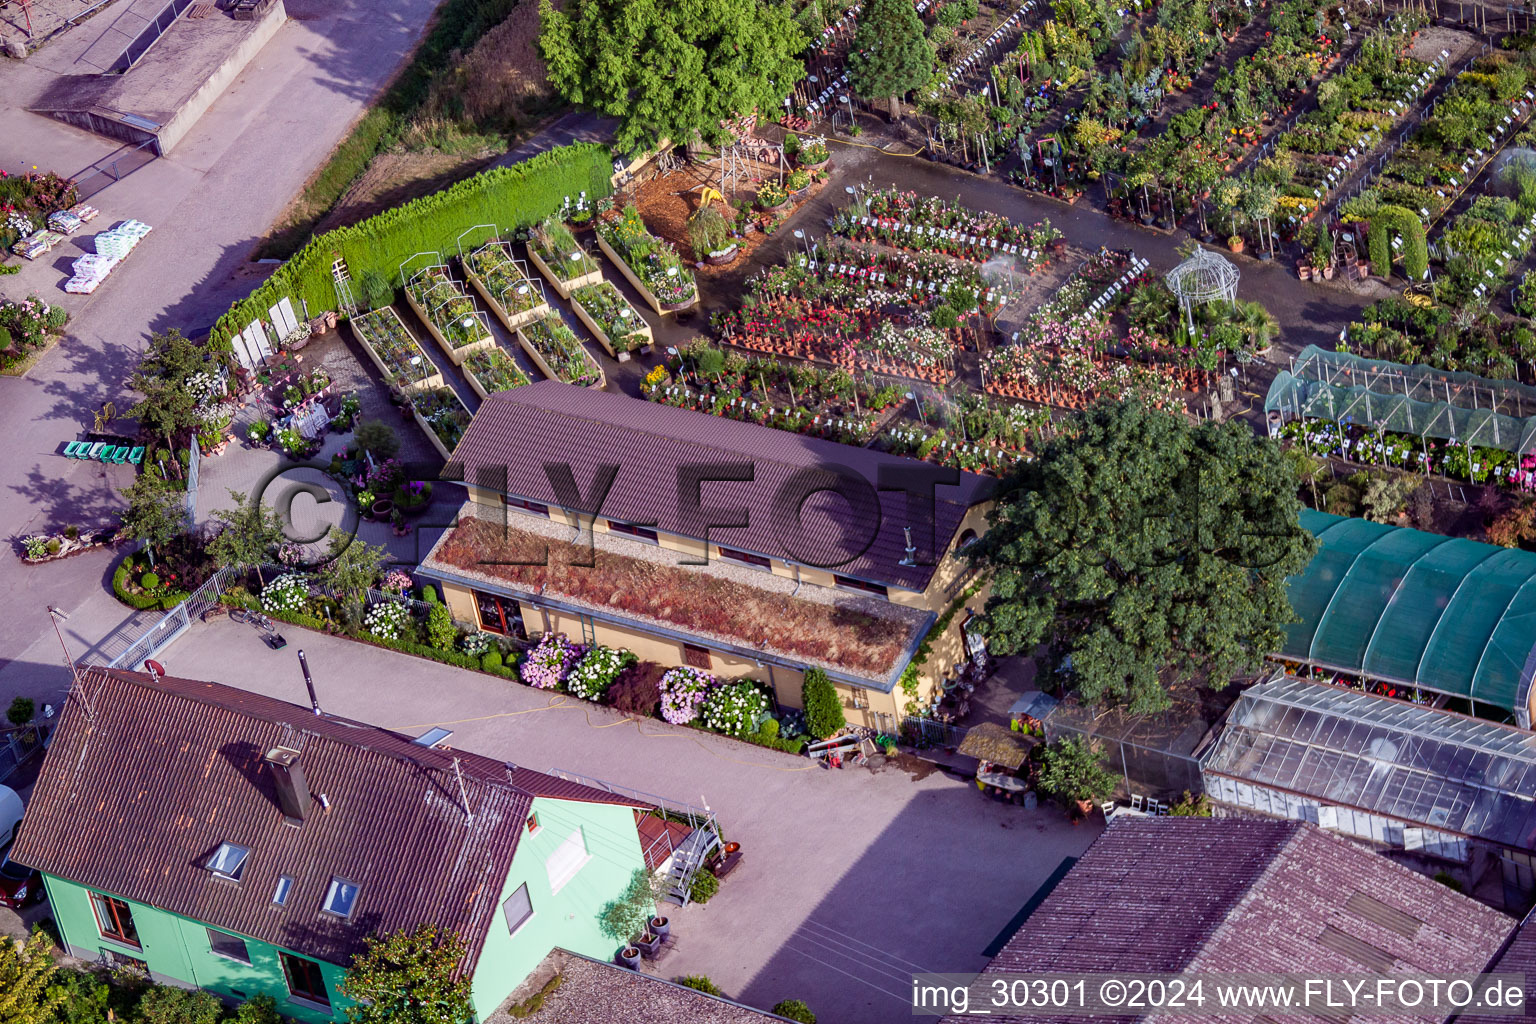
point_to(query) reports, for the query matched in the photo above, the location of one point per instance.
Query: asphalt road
(209, 202)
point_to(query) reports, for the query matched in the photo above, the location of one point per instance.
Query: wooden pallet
(202, 10)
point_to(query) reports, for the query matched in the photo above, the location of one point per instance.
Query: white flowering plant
(734, 708)
(288, 594)
(596, 672)
(387, 620)
(475, 644)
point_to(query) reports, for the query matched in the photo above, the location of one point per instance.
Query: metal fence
(174, 622)
(97, 177)
(929, 732)
(17, 745)
(135, 31)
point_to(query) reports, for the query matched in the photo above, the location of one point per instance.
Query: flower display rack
(394, 350)
(449, 314)
(616, 325)
(564, 286)
(558, 353)
(513, 296)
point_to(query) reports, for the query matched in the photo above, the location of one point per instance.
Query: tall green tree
(409, 978)
(351, 568)
(25, 970)
(672, 69)
(169, 406)
(156, 512)
(249, 534)
(891, 55)
(1144, 548)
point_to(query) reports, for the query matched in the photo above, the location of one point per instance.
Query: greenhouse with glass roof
(1407, 399)
(1393, 605)
(1386, 771)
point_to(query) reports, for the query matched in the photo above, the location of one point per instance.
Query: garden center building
(224, 840)
(733, 547)
(1447, 616)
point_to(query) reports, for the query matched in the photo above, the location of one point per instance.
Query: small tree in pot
(625, 918)
(1071, 772)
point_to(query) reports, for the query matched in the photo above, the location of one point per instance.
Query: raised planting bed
(450, 315)
(393, 349)
(616, 324)
(504, 286)
(492, 369)
(649, 263)
(558, 353)
(442, 416)
(563, 262)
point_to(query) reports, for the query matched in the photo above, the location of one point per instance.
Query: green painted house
(228, 841)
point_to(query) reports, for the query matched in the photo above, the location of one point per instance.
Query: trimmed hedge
(823, 710)
(143, 602)
(1387, 221)
(513, 197)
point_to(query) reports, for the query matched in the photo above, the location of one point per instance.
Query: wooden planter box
(428, 383)
(538, 361)
(602, 337)
(455, 354)
(645, 292)
(474, 382)
(512, 321)
(426, 428)
(563, 288)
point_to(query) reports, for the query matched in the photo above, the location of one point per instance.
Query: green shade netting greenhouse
(1417, 400)
(1394, 604)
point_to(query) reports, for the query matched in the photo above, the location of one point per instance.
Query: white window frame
(570, 871)
(331, 890)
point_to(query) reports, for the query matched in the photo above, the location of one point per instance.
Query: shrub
(377, 438)
(287, 594)
(596, 673)
(258, 1010)
(683, 689)
(550, 662)
(823, 710)
(1071, 770)
(490, 661)
(21, 710)
(704, 886)
(708, 231)
(637, 691)
(149, 581)
(166, 1004)
(386, 621)
(795, 1009)
(698, 981)
(441, 632)
(54, 544)
(37, 547)
(769, 729)
(734, 708)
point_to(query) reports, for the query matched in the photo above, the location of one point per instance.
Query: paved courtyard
(851, 880)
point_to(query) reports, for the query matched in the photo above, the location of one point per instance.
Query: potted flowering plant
(771, 196)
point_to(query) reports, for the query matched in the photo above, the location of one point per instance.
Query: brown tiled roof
(526, 427)
(1517, 957)
(1239, 895)
(146, 777)
(591, 992)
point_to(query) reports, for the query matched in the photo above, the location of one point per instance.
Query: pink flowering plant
(683, 690)
(550, 661)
